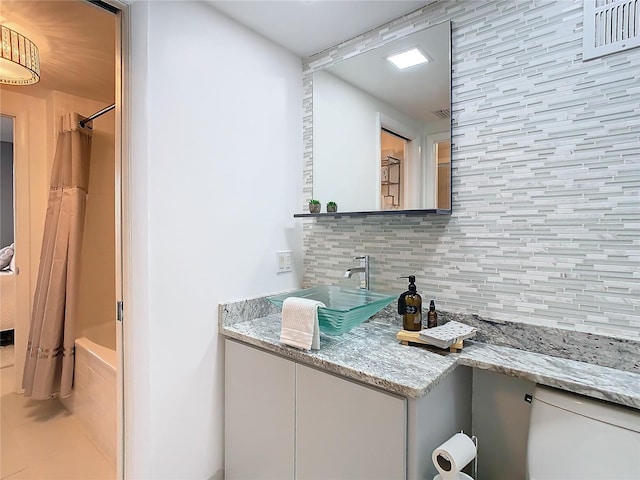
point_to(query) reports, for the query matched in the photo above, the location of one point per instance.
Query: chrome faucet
(363, 270)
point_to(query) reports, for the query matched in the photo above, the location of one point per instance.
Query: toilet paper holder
(454, 455)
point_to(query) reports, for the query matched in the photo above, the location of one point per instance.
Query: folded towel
(300, 323)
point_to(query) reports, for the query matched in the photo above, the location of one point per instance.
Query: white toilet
(576, 437)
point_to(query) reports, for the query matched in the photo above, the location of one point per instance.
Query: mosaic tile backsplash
(546, 176)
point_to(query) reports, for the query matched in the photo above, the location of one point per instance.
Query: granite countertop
(604, 383)
(371, 354)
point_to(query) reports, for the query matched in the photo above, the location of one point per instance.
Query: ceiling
(76, 41)
(418, 91)
(305, 27)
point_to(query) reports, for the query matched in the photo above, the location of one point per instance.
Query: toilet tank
(576, 437)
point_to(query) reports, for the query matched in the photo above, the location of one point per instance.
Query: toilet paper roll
(453, 455)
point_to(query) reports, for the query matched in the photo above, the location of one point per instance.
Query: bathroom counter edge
(370, 354)
(602, 383)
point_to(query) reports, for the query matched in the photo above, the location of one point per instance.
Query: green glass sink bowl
(345, 308)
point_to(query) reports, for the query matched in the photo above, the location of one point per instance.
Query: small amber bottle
(410, 307)
(432, 315)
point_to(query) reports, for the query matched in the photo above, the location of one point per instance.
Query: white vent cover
(610, 26)
(442, 113)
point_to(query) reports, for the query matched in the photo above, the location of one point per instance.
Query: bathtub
(93, 400)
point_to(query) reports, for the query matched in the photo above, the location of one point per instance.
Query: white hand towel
(300, 323)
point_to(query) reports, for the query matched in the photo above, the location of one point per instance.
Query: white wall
(215, 172)
(346, 143)
(31, 189)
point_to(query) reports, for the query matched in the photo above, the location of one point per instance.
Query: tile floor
(41, 440)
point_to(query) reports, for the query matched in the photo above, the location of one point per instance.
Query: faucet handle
(361, 257)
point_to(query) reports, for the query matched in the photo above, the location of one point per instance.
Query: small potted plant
(314, 206)
(332, 207)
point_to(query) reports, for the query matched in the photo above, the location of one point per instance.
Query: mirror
(381, 135)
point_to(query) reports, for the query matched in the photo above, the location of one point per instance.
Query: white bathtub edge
(101, 353)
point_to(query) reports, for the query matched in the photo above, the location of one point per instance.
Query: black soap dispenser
(410, 307)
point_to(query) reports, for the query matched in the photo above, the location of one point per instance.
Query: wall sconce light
(19, 59)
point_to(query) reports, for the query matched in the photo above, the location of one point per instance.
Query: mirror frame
(343, 51)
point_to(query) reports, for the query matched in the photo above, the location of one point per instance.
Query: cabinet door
(347, 431)
(259, 414)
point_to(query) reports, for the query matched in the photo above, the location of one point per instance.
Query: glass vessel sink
(345, 308)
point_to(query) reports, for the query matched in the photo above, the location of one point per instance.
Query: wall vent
(442, 113)
(610, 26)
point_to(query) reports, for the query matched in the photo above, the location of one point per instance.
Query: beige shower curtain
(50, 352)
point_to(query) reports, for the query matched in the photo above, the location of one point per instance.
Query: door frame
(122, 214)
(430, 168)
(23, 129)
(412, 154)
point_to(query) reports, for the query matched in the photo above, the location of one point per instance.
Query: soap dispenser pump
(410, 307)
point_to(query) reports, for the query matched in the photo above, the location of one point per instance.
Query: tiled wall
(546, 176)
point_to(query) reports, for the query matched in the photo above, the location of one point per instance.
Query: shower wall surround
(546, 161)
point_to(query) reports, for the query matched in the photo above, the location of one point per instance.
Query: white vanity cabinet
(259, 416)
(347, 431)
(286, 420)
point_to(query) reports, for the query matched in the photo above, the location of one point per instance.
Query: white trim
(430, 165)
(23, 162)
(122, 221)
(396, 126)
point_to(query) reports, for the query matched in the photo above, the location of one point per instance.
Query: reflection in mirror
(381, 135)
(392, 155)
(443, 174)
(6, 182)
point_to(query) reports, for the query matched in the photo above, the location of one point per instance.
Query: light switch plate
(283, 261)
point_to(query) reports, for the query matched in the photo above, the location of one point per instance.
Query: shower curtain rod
(97, 114)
